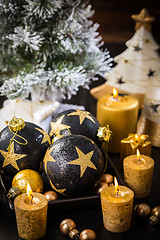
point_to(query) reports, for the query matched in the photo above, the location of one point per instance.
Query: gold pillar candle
(138, 172)
(130, 144)
(117, 208)
(31, 215)
(120, 113)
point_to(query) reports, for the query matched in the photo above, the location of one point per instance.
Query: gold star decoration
(48, 157)
(92, 141)
(46, 137)
(11, 158)
(83, 160)
(57, 126)
(143, 19)
(82, 115)
(61, 191)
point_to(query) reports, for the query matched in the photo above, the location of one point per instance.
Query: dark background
(114, 17)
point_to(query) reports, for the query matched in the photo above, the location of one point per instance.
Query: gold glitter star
(46, 137)
(48, 157)
(92, 141)
(57, 126)
(83, 160)
(61, 191)
(143, 19)
(10, 157)
(82, 115)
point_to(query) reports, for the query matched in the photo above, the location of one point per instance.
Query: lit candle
(130, 144)
(120, 113)
(31, 214)
(138, 172)
(117, 204)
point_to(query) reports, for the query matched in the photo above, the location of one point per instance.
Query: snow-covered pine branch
(51, 44)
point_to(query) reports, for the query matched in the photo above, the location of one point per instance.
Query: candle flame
(115, 93)
(116, 186)
(138, 155)
(29, 192)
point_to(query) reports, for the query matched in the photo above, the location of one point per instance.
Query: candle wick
(139, 160)
(115, 98)
(117, 193)
(31, 198)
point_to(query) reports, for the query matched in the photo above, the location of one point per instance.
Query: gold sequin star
(143, 19)
(82, 115)
(11, 158)
(46, 137)
(48, 157)
(57, 126)
(83, 160)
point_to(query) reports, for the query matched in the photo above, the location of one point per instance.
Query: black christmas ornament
(22, 146)
(73, 165)
(75, 121)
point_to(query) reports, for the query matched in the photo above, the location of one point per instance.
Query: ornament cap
(13, 192)
(16, 124)
(104, 133)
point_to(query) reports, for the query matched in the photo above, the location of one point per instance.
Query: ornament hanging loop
(16, 124)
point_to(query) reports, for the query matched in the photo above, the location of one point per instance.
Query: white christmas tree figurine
(149, 122)
(138, 63)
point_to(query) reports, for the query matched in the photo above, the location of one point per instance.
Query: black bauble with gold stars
(75, 121)
(73, 165)
(22, 148)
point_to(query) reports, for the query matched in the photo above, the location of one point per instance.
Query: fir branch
(50, 45)
(24, 37)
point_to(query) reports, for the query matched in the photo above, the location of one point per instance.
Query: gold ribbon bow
(136, 140)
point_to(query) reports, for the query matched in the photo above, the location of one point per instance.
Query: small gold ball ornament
(142, 210)
(155, 216)
(25, 176)
(100, 187)
(156, 211)
(87, 234)
(66, 226)
(107, 178)
(51, 195)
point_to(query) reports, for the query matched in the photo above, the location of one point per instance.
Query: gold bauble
(66, 226)
(107, 178)
(51, 195)
(100, 187)
(23, 177)
(142, 210)
(87, 234)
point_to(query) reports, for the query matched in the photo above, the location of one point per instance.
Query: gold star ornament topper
(143, 19)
